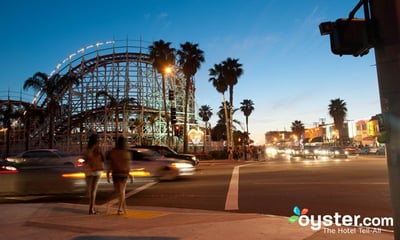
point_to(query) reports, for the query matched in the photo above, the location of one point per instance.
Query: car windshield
(145, 154)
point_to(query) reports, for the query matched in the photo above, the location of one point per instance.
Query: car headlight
(182, 165)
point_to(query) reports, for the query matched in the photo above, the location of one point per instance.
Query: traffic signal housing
(171, 95)
(178, 131)
(348, 36)
(173, 115)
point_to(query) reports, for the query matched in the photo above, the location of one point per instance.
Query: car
(381, 150)
(169, 152)
(153, 164)
(337, 152)
(305, 152)
(352, 150)
(45, 158)
(25, 174)
(310, 152)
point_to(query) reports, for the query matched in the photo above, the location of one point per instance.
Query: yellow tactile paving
(139, 214)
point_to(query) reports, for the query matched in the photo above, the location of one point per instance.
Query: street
(356, 186)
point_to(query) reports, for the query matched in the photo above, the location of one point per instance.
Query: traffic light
(348, 36)
(173, 115)
(177, 130)
(171, 95)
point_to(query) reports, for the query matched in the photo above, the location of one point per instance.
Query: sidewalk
(70, 221)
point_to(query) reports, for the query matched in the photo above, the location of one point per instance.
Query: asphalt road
(357, 186)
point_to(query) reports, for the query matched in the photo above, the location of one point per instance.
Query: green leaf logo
(297, 214)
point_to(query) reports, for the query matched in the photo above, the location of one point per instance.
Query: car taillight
(8, 170)
(80, 162)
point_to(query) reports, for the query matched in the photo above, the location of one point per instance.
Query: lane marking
(231, 202)
(232, 198)
(130, 193)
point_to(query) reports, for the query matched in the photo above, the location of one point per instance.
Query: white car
(153, 164)
(45, 158)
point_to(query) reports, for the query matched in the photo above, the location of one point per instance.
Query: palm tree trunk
(185, 139)
(246, 140)
(165, 108)
(231, 115)
(228, 136)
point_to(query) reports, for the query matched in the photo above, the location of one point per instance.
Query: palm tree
(7, 115)
(163, 56)
(115, 103)
(29, 116)
(232, 71)
(247, 108)
(337, 110)
(205, 112)
(52, 87)
(298, 129)
(217, 79)
(190, 59)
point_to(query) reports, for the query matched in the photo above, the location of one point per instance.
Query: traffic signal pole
(386, 15)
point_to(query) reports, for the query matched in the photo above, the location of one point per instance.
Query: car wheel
(166, 174)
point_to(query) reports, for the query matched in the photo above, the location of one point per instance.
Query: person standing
(119, 167)
(94, 166)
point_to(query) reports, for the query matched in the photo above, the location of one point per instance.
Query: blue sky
(289, 72)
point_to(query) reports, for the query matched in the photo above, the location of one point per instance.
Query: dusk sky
(289, 71)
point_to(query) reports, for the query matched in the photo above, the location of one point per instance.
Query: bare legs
(119, 193)
(92, 183)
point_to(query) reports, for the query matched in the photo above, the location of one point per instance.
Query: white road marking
(232, 198)
(129, 194)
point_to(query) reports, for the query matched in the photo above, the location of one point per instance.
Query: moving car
(45, 157)
(156, 165)
(41, 172)
(306, 151)
(337, 152)
(168, 152)
(310, 152)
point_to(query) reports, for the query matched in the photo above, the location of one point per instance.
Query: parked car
(381, 150)
(45, 158)
(169, 152)
(337, 152)
(157, 165)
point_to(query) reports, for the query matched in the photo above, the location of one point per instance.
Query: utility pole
(379, 30)
(386, 15)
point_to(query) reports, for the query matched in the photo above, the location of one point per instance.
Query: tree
(115, 103)
(216, 134)
(163, 56)
(31, 115)
(337, 110)
(297, 128)
(190, 59)
(217, 80)
(53, 88)
(232, 70)
(205, 112)
(247, 107)
(7, 115)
